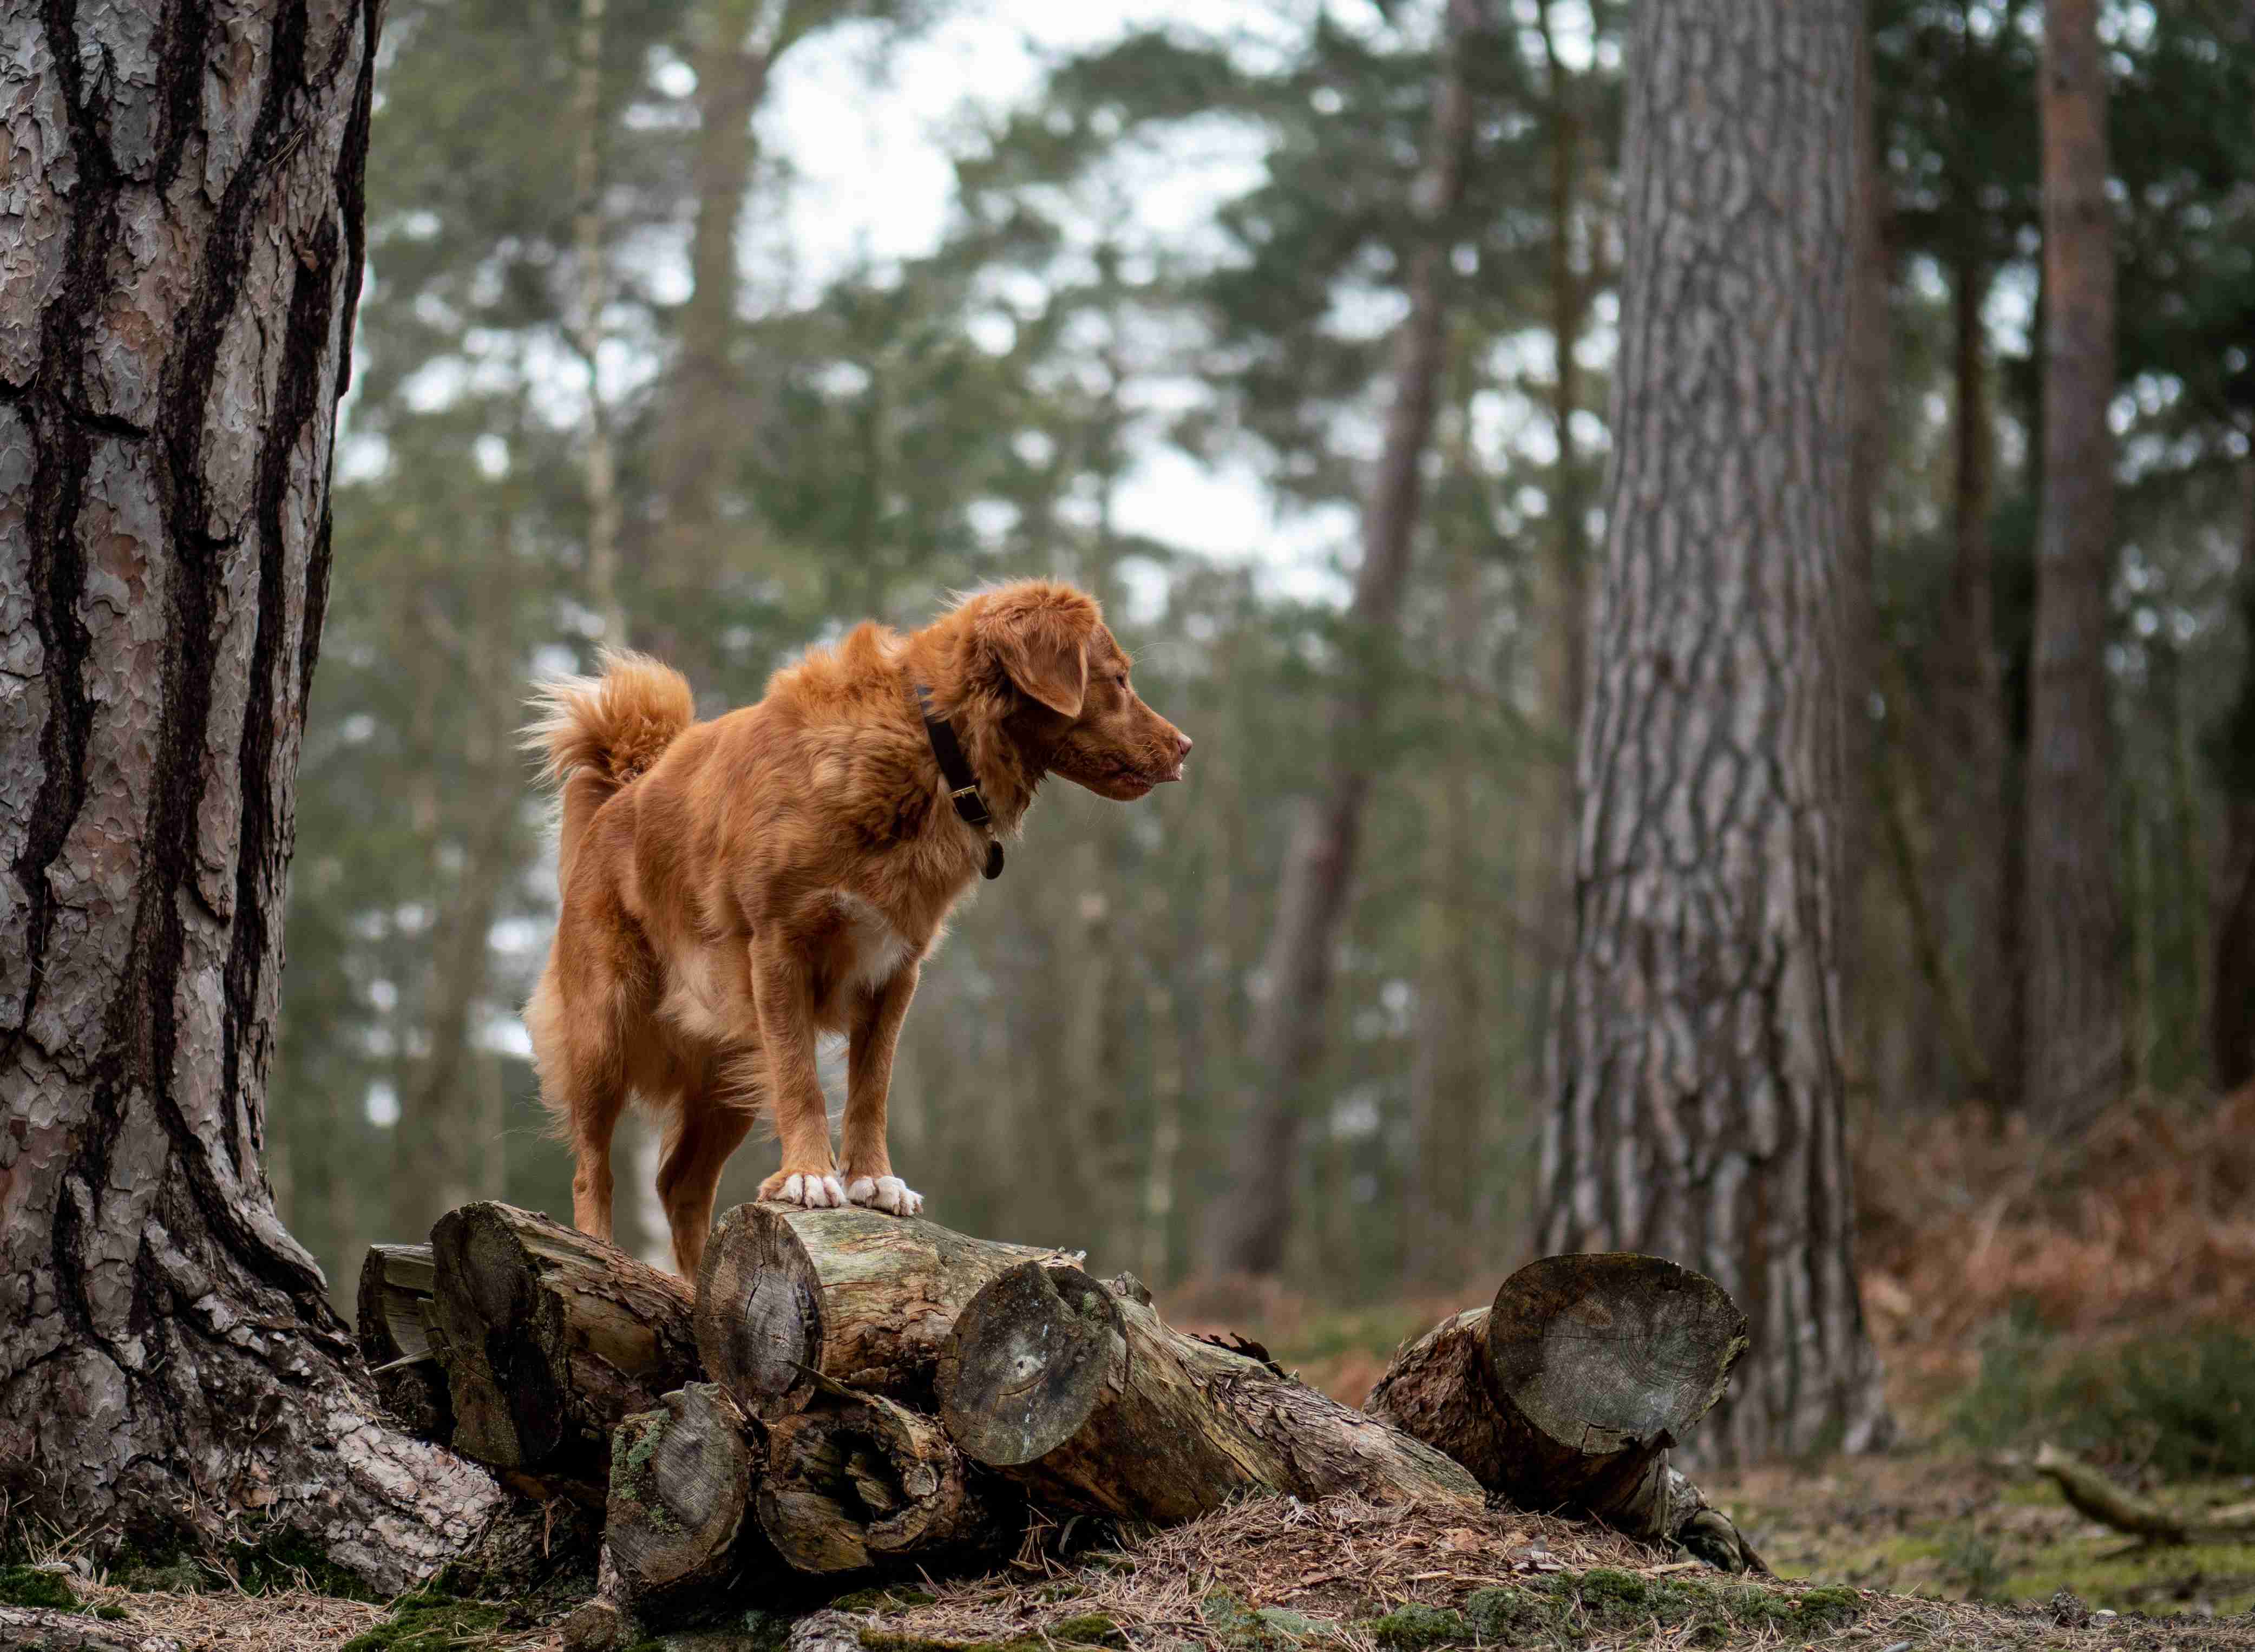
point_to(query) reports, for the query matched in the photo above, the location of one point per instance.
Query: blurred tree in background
(1190, 250)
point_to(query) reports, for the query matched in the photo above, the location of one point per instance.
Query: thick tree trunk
(2074, 1054)
(1080, 1393)
(1569, 1392)
(1697, 1111)
(1291, 1017)
(859, 1481)
(1871, 356)
(677, 1523)
(392, 1319)
(181, 260)
(788, 1297)
(548, 1337)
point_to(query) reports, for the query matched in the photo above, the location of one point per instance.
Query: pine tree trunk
(182, 258)
(705, 422)
(1289, 1022)
(2074, 1057)
(1978, 760)
(1697, 1110)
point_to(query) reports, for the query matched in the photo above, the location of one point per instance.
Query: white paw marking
(815, 1192)
(888, 1193)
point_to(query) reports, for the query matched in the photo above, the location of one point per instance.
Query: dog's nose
(1182, 742)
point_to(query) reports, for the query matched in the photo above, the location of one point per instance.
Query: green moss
(427, 1621)
(112, 1614)
(892, 1600)
(30, 1586)
(1410, 1626)
(1090, 1628)
(633, 1443)
(1506, 1614)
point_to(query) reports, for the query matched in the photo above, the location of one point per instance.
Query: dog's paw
(813, 1191)
(886, 1193)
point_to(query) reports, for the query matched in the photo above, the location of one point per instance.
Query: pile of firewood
(847, 1392)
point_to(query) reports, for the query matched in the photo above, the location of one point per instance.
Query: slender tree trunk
(2232, 973)
(1289, 1021)
(706, 421)
(600, 460)
(1979, 755)
(183, 254)
(441, 1143)
(1698, 1107)
(2073, 930)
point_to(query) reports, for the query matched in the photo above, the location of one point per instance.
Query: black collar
(962, 786)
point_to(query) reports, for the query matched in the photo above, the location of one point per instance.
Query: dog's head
(1082, 717)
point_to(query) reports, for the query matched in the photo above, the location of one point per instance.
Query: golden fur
(732, 888)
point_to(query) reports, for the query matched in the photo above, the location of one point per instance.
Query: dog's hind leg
(705, 1130)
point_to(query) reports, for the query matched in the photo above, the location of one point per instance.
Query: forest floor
(2102, 1300)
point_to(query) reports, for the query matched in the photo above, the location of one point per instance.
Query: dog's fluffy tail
(595, 734)
(613, 726)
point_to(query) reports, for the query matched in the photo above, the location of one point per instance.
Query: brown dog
(732, 888)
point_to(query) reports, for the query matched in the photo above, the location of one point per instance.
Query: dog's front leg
(783, 996)
(876, 1032)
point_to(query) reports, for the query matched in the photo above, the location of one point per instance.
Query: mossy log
(856, 1480)
(2091, 1494)
(39, 1629)
(548, 1336)
(678, 1526)
(1567, 1392)
(392, 1322)
(1082, 1394)
(788, 1296)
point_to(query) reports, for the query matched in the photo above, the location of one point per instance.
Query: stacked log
(1080, 1392)
(858, 1480)
(848, 1392)
(677, 1524)
(789, 1297)
(393, 1321)
(548, 1337)
(1567, 1392)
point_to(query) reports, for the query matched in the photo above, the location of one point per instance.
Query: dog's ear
(1042, 646)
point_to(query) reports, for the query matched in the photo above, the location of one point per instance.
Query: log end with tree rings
(1027, 1362)
(1612, 1352)
(759, 1311)
(681, 1478)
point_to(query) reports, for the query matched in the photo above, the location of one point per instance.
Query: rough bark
(1569, 1392)
(548, 1337)
(392, 1319)
(788, 1297)
(2231, 975)
(2073, 1058)
(678, 1523)
(1870, 356)
(181, 256)
(1698, 1109)
(858, 1481)
(1289, 1020)
(1081, 1394)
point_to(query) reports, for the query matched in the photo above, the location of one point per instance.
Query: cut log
(677, 1528)
(548, 1337)
(1080, 1392)
(856, 1480)
(786, 1296)
(392, 1322)
(1567, 1392)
